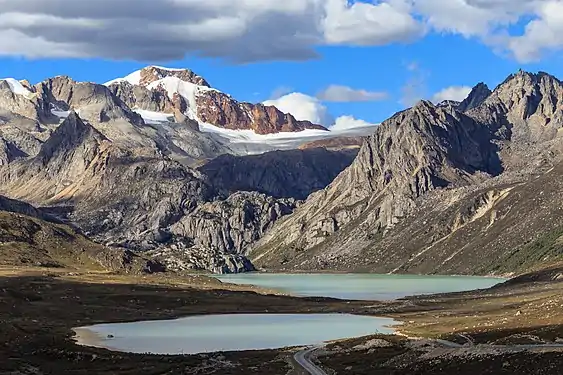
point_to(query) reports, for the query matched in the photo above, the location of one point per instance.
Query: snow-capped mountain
(155, 109)
(162, 90)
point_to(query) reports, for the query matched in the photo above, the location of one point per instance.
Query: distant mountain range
(171, 110)
(158, 163)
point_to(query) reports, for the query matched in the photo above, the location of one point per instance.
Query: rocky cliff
(431, 184)
(215, 235)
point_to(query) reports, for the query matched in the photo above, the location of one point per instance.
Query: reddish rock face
(221, 110)
(151, 74)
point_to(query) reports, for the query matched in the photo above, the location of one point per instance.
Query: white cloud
(456, 93)
(349, 122)
(256, 30)
(303, 107)
(369, 24)
(542, 34)
(491, 21)
(337, 93)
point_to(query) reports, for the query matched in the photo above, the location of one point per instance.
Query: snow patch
(168, 69)
(154, 118)
(60, 114)
(133, 78)
(17, 88)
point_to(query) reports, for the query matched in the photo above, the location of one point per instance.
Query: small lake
(360, 286)
(214, 333)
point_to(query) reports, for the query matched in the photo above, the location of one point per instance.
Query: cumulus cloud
(542, 34)
(303, 107)
(456, 93)
(337, 93)
(236, 30)
(369, 24)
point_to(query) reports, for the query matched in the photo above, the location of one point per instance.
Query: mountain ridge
(496, 147)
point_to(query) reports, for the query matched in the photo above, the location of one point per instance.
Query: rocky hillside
(30, 238)
(439, 190)
(281, 174)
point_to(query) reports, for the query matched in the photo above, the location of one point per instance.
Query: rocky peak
(530, 105)
(72, 133)
(96, 102)
(17, 99)
(476, 97)
(152, 74)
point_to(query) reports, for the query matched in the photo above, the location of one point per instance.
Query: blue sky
(421, 58)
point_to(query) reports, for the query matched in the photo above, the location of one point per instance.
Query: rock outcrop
(216, 235)
(476, 97)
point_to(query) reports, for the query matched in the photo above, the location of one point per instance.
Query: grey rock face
(216, 234)
(31, 107)
(96, 102)
(136, 96)
(476, 97)
(234, 223)
(281, 174)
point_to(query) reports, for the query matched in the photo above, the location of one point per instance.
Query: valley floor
(38, 309)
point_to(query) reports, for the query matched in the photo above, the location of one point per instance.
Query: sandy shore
(86, 337)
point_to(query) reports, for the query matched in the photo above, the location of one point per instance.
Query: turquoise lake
(360, 286)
